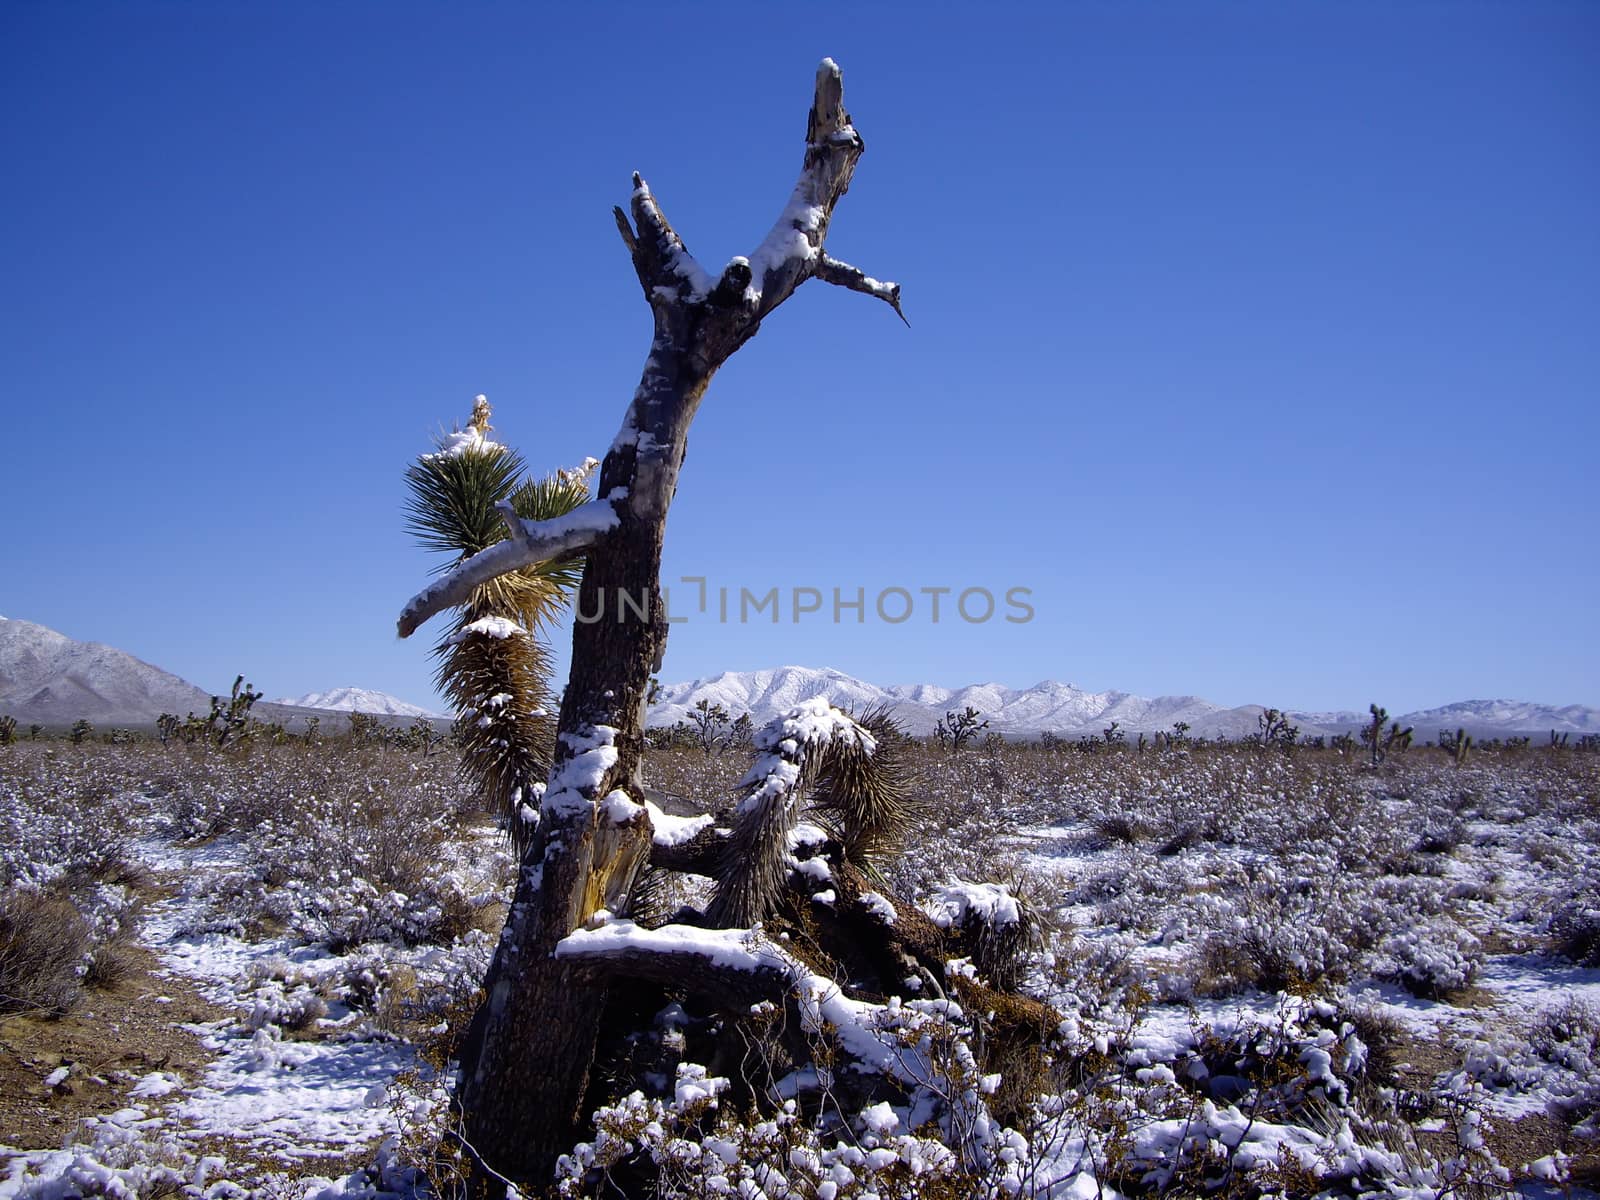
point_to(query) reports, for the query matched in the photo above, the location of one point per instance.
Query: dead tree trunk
(526, 1063)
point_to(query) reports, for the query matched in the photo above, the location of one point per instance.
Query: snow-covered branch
(532, 542)
(659, 255)
(789, 254)
(842, 274)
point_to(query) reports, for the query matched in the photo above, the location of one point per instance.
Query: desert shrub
(60, 818)
(44, 950)
(1575, 931)
(1121, 827)
(356, 843)
(1432, 961)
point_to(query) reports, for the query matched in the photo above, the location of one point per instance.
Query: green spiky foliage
(495, 675)
(850, 779)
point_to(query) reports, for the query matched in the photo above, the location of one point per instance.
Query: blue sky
(1258, 341)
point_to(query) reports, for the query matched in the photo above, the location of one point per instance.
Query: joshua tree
(1457, 745)
(34, 731)
(468, 496)
(1273, 729)
(230, 719)
(167, 726)
(80, 731)
(364, 727)
(8, 729)
(956, 729)
(1113, 734)
(526, 1065)
(710, 723)
(1381, 741)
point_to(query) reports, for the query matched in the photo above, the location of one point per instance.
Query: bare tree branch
(661, 253)
(788, 255)
(531, 542)
(842, 274)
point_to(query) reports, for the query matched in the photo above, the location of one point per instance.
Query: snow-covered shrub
(1575, 929)
(282, 996)
(356, 846)
(63, 817)
(687, 1146)
(67, 867)
(1431, 960)
(999, 928)
(1285, 931)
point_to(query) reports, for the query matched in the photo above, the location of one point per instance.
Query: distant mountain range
(48, 678)
(1070, 711)
(354, 699)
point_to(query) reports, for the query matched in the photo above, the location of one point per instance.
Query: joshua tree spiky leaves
(493, 665)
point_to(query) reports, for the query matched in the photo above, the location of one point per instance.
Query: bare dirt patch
(108, 1042)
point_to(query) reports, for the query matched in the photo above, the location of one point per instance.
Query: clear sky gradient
(1260, 341)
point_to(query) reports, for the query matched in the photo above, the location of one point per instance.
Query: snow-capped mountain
(1071, 711)
(48, 678)
(1057, 707)
(1506, 716)
(354, 699)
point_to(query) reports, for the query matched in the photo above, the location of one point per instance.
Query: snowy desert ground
(243, 971)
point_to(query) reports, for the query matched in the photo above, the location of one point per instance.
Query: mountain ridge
(355, 699)
(1065, 709)
(49, 678)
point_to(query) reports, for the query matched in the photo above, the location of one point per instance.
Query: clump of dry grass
(44, 951)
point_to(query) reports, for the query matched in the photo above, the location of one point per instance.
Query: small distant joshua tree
(711, 722)
(8, 730)
(1113, 734)
(34, 731)
(364, 727)
(424, 736)
(1457, 745)
(1273, 729)
(81, 731)
(168, 726)
(1380, 741)
(742, 733)
(1179, 736)
(229, 720)
(956, 729)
